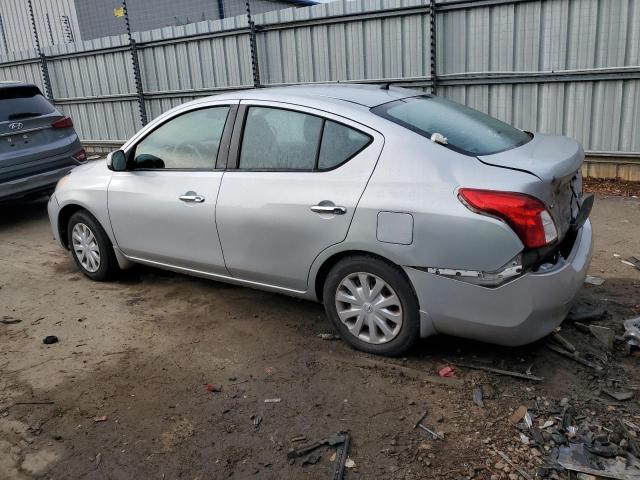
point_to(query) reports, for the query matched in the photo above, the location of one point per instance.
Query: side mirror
(117, 161)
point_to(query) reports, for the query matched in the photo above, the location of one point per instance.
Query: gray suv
(38, 144)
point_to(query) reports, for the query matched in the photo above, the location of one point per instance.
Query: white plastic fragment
(593, 280)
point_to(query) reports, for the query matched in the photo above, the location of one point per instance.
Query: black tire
(391, 274)
(108, 266)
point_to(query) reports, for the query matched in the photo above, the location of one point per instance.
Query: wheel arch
(63, 221)
(332, 260)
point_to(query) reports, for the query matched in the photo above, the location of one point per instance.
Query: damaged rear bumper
(516, 313)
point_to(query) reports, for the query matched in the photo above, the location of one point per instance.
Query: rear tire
(372, 305)
(90, 247)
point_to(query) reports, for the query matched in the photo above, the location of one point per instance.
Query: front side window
(189, 141)
(277, 139)
(467, 130)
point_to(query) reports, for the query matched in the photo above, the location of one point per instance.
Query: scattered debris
(210, 387)
(632, 332)
(577, 458)
(435, 379)
(582, 313)
(333, 440)
(593, 280)
(500, 372)
(299, 438)
(312, 458)
(632, 261)
(435, 435)
(328, 336)
(559, 339)
(98, 458)
(50, 339)
(547, 424)
(477, 396)
(620, 396)
(518, 415)
(446, 372)
(102, 418)
(257, 419)
(343, 458)
(513, 465)
(9, 321)
(272, 400)
(573, 356)
(604, 335)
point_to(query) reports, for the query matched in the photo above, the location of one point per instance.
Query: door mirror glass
(117, 161)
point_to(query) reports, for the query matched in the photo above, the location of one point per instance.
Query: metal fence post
(254, 48)
(136, 67)
(432, 23)
(44, 68)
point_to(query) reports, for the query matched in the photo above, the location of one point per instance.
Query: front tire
(372, 305)
(90, 247)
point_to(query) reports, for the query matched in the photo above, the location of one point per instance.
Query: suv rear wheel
(372, 305)
(90, 247)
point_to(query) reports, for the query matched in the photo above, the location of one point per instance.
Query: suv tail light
(527, 216)
(64, 122)
(81, 156)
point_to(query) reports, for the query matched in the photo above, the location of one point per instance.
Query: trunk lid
(556, 161)
(545, 156)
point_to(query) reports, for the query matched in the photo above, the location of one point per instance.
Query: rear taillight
(64, 122)
(81, 156)
(526, 215)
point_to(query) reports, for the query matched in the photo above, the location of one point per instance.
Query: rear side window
(277, 139)
(467, 130)
(339, 144)
(18, 103)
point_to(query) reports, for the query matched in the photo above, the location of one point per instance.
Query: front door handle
(330, 209)
(191, 197)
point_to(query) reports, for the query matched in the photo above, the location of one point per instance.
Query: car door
(162, 208)
(294, 179)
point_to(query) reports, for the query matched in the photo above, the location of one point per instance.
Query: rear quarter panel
(418, 177)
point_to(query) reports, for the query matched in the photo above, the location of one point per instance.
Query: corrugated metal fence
(569, 67)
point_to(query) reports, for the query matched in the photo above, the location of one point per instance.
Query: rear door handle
(331, 209)
(190, 197)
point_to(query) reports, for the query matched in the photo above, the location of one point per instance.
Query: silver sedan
(406, 214)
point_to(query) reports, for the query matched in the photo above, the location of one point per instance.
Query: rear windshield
(22, 102)
(467, 130)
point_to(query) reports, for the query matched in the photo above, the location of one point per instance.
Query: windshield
(22, 102)
(467, 130)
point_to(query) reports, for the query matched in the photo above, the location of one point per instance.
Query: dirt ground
(138, 353)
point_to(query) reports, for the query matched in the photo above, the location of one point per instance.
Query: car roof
(15, 83)
(360, 94)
